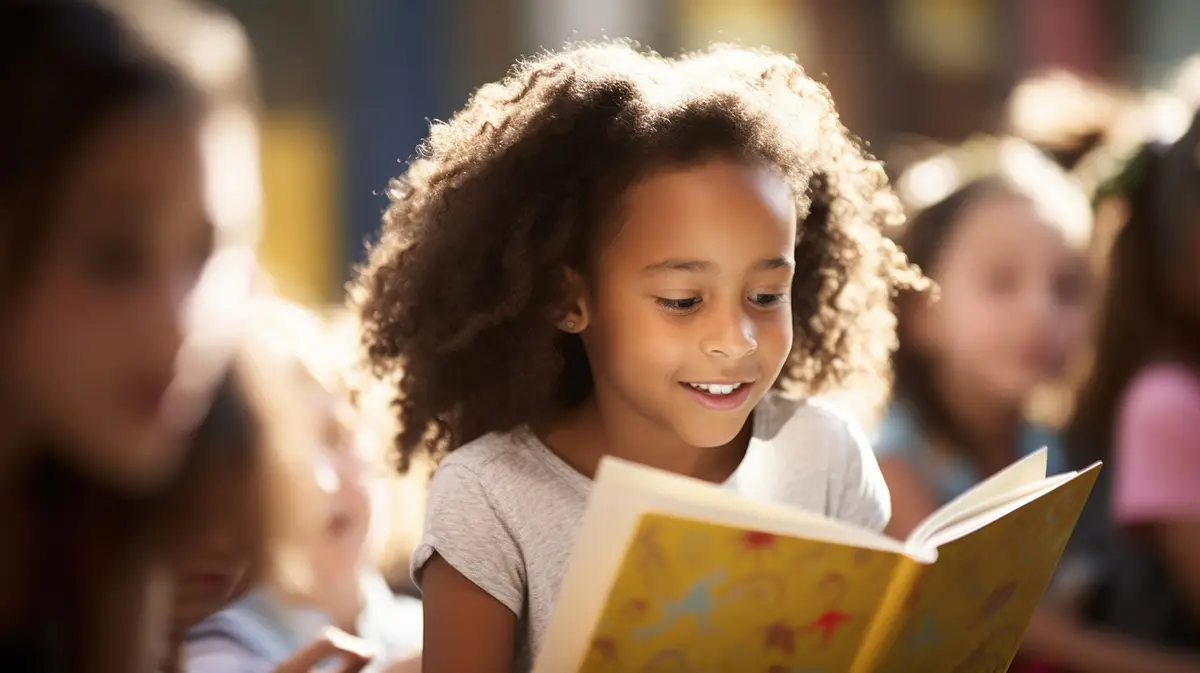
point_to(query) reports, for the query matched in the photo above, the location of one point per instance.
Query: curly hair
(463, 290)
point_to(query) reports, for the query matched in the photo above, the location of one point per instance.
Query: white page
(1029, 470)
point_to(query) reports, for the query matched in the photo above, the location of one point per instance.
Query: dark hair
(1140, 320)
(923, 240)
(463, 291)
(66, 68)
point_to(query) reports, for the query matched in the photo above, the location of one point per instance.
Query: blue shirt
(900, 436)
(260, 630)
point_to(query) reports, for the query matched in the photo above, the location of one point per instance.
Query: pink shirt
(1156, 466)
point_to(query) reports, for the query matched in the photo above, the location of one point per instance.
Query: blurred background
(348, 87)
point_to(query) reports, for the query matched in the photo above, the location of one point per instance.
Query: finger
(331, 643)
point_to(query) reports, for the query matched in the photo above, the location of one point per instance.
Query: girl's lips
(713, 402)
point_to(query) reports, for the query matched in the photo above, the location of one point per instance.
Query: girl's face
(217, 539)
(1011, 301)
(689, 323)
(95, 331)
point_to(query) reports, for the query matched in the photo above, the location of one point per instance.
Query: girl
(1010, 309)
(270, 625)
(1138, 410)
(103, 234)
(244, 511)
(614, 253)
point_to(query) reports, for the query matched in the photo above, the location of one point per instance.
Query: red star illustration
(781, 636)
(754, 540)
(606, 648)
(636, 606)
(828, 624)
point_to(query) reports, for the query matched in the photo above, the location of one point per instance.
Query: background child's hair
(1139, 320)
(464, 288)
(66, 67)
(251, 427)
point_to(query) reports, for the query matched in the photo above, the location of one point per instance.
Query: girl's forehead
(708, 212)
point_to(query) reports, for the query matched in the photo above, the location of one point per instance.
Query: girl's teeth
(716, 388)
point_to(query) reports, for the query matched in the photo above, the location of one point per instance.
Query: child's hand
(409, 665)
(353, 653)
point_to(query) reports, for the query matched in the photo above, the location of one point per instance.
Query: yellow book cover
(671, 575)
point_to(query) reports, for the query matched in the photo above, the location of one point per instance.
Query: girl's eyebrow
(702, 266)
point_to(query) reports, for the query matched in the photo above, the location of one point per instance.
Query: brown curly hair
(463, 290)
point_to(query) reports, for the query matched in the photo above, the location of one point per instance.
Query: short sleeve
(1156, 470)
(463, 527)
(865, 499)
(223, 653)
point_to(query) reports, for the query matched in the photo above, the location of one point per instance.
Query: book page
(969, 611)
(695, 596)
(1029, 470)
(623, 493)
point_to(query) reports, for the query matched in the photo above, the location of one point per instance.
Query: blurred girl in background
(1004, 248)
(1138, 410)
(262, 630)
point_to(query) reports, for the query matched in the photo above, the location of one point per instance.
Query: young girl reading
(614, 253)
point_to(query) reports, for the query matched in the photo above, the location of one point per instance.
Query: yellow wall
(301, 246)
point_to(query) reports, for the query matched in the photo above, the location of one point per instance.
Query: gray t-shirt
(504, 510)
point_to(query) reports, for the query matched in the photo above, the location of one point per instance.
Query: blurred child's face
(95, 333)
(1011, 299)
(690, 322)
(218, 542)
(342, 476)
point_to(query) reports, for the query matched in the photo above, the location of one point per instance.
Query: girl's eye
(768, 299)
(678, 305)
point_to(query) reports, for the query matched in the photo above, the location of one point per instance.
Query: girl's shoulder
(1170, 384)
(780, 416)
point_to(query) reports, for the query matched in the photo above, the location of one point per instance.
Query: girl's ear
(576, 311)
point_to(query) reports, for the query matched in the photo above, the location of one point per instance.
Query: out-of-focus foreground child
(269, 625)
(104, 235)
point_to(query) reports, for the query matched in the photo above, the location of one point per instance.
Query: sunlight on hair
(928, 182)
(231, 152)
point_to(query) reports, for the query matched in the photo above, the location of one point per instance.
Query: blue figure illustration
(925, 636)
(697, 602)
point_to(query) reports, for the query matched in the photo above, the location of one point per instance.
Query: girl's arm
(1179, 544)
(911, 499)
(1156, 482)
(1055, 636)
(466, 629)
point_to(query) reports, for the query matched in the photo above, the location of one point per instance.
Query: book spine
(886, 623)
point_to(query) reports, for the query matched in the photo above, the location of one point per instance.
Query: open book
(671, 574)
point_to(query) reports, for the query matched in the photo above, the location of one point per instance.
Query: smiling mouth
(718, 389)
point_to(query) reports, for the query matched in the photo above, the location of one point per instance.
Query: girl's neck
(989, 422)
(605, 426)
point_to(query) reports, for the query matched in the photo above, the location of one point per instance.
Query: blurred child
(614, 253)
(1138, 411)
(103, 236)
(244, 511)
(1008, 310)
(268, 626)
